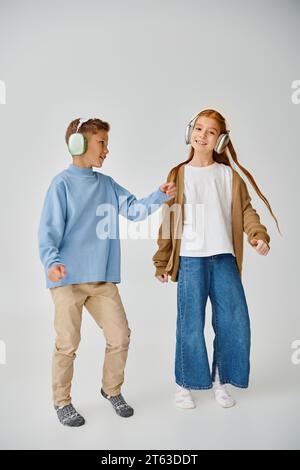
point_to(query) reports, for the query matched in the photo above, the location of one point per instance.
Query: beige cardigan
(244, 219)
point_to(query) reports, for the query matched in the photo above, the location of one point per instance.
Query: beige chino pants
(103, 302)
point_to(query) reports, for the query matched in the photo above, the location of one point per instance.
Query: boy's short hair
(91, 126)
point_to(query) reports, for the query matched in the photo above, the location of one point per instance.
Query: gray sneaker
(119, 404)
(68, 416)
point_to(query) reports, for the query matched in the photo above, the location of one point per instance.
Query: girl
(201, 246)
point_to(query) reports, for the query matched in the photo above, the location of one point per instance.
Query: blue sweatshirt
(79, 226)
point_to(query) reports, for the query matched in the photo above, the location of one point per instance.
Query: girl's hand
(57, 272)
(261, 247)
(169, 189)
(163, 278)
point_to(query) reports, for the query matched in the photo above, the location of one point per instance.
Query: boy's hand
(261, 247)
(169, 189)
(57, 272)
(163, 278)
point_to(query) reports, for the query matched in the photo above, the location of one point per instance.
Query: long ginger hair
(224, 158)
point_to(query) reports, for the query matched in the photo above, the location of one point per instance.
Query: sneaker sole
(185, 407)
(75, 424)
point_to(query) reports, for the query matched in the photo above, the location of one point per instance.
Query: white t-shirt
(207, 225)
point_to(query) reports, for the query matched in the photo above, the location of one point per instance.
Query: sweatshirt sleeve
(138, 209)
(165, 244)
(52, 225)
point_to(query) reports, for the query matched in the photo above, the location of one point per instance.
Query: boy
(82, 263)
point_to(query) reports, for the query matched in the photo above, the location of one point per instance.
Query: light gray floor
(262, 419)
(267, 415)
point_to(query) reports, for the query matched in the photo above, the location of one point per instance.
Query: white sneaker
(223, 397)
(183, 398)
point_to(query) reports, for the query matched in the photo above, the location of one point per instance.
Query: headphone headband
(196, 115)
(81, 121)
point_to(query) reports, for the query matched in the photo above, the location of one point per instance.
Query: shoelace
(183, 396)
(221, 388)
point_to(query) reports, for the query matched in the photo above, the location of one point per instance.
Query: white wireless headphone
(77, 142)
(221, 143)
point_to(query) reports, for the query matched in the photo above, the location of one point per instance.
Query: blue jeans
(216, 277)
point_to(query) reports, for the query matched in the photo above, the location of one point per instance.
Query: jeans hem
(193, 387)
(224, 382)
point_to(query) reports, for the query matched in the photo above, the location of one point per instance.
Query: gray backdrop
(147, 67)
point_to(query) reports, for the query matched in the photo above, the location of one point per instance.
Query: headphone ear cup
(222, 143)
(188, 134)
(77, 144)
